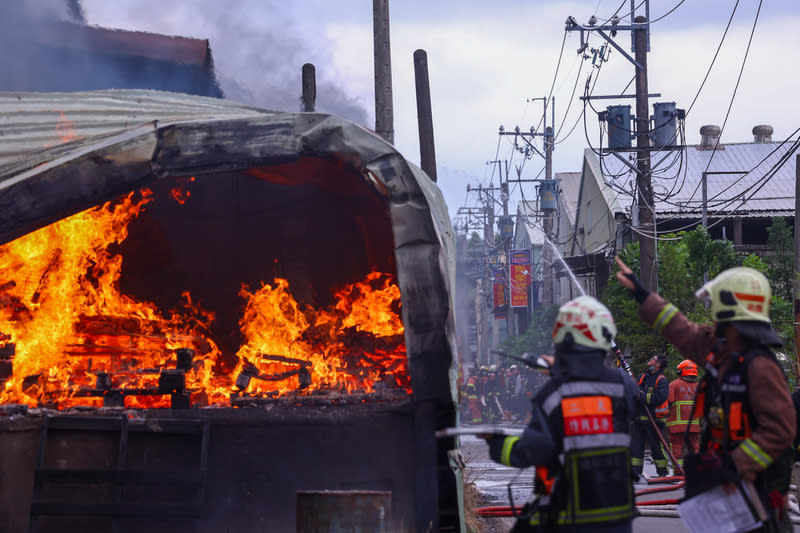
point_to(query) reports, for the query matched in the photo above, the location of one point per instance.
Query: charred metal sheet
(222, 146)
(74, 181)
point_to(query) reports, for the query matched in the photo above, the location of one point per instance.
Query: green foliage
(778, 266)
(705, 254)
(632, 334)
(683, 260)
(780, 262)
(755, 262)
(537, 339)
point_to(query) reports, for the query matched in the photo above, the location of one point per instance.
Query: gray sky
(486, 58)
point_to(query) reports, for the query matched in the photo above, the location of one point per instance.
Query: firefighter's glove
(639, 291)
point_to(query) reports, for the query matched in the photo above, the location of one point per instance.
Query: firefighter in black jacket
(654, 390)
(579, 432)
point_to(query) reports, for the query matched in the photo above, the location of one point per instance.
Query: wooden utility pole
(797, 265)
(384, 111)
(647, 249)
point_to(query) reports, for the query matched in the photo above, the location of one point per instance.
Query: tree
(683, 259)
(780, 259)
(537, 339)
(779, 274)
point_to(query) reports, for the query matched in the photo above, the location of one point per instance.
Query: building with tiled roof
(746, 185)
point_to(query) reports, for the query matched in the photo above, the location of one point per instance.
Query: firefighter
(748, 413)
(473, 400)
(494, 389)
(653, 392)
(682, 424)
(579, 432)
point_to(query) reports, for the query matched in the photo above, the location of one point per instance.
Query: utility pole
(504, 224)
(797, 265)
(640, 35)
(384, 107)
(548, 212)
(647, 249)
(484, 218)
(547, 187)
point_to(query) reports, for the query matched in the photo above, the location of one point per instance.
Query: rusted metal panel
(344, 511)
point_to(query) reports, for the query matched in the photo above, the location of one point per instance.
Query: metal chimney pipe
(384, 112)
(427, 151)
(309, 88)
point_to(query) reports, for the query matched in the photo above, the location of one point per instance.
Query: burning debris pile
(70, 337)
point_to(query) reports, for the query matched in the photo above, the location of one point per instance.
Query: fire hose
(503, 511)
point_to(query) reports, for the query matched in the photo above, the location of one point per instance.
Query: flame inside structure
(65, 323)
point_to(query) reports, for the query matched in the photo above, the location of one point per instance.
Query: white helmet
(736, 294)
(588, 322)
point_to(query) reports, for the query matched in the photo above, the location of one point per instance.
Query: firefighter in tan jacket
(748, 412)
(682, 424)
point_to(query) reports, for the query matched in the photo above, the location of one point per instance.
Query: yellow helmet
(740, 293)
(587, 321)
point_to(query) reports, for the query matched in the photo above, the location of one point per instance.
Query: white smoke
(258, 47)
(64, 10)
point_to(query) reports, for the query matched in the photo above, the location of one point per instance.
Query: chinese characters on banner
(498, 291)
(520, 261)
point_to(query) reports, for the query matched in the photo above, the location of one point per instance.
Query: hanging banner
(498, 291)
(520, 276)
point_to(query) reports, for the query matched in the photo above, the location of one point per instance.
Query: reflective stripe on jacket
(681, 400)
(654, 389)
(590, 421)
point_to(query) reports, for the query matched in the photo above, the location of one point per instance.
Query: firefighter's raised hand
(624, 272)
(628, 279)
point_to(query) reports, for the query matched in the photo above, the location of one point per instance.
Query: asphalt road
(492, 482)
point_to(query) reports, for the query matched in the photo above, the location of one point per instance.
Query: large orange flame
(353, 346)
(61, 308)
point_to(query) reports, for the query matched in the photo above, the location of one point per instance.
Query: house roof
(528, 221)
(748, 179)
(569, 183)
(52, 55)
(60, 34)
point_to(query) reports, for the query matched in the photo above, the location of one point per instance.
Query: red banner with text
(520, 276)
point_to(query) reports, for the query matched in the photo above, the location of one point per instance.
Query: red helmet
(687, 368)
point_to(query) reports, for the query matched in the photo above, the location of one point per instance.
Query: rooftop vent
(709, 137)
(762, 133)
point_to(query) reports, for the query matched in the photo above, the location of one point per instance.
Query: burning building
(208, 309)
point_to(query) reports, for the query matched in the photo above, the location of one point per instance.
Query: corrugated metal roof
(34, 121)
(756, 190)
